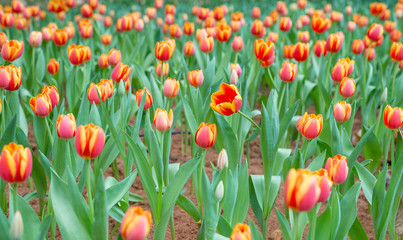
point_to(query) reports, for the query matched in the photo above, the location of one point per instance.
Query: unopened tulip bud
(234, 78)
(375, 32)
(241, 232)
(53, 94)
(103, 61)
(12, 50)
(195, 78)
(66, 126)
(165, 69)
(351, 26)
(35, 39)
(189, 48)
(342, 111)
(237, 68)
(337, 168)
(384, 96)
(41, 105)
(121, 72)
(121, 89)
(219, 191)
(237, 44)
(114, 57)
(16, 226)
(222, 159)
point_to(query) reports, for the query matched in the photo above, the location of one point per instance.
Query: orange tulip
(369, 54)
(12, 50)
(393, 117)
(237, 68)
(303, 36)
(52, 93)
(320, 48)
(171, 88)
(35, 39)
(288, 71)
(136, 224)
(151, 12)
(241, 232)
(104, 88)
(41, 105)
(288, 51)
(395, 35)
(90, 141)
(165, 69)
(263, 50)
(107, 21)
(343, 68)
(272, 37)
(320, 24)
(223, 32)
(189, 48)
(349, 10)
(325, 184)
(342, 111)
(15, 163)
(337, 168)
(188, 28)
(78, 54)
(362, 21)
(301, 4)
(377, 8)
(7, 20)
(103, 61)
(336, 16)
(164, 50)
(334, 42)
(257, 28)
(206, 44)
(195, 78)
(235, 25)
(227, 100)
(219, 13)
(301, 51)
(351, 26)
(203, 13)
(86, 11)
(206, 135)
(175, 31)
(302, 190)
(396, 51)
(106, 39)
(375, 32)
(357, 46)
(121, 72)
(10, 77)
(389, 26)
(47, 34)
(53, 66)
(170, 9)
(3, 39)
(66, 126)
(310, 126)
(237, 44)
(114, 57)
(17, 6)
(60, 37)
(124, 24)
(149, 99)
(162, 120)
(285, 24)
(255, 12)
(347, 87)
(281, 8)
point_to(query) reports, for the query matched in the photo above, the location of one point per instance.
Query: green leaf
(29, 217)
(189, 207)
(44, 228)
(40, 66)
(9, 134)
(357, 231)
(284, 225)
(100, 225)
(317, 163)
(367, 179)
(116, 192)
(242, 199)
(358, 149)
(254, 231)
(70, 209)
(378, 198)
(323, 225)
(39, 131)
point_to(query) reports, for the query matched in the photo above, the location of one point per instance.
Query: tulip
(347, 87)
(41, 105)
(86, 11)
(66, 126)
(337, 168)
(52, 93)
(158, 4)
(301, 4)
(223, 32)
(15, 163)
(241, 231)
(206, 44)
(136, 224)
(285, 24)
(343, 68)
(320, 48)
(12, 50)
(303, 36)
(325, 184)
(107, 21)
(218, 13)
(342, 111)
(351, 26)
(375, 32)
(53, 66)
(60, 37)
(393, 117)
(334, 42)
(396, 51)
(268, 62)
(395, 35)
(281, 8)
(151, 12)
(301, 52)
(336, 16)
(188, 28)
(233, 78)
(268, 21)
(47, 34)
(7, 20)
(310, 126)
(203, 13)
(165, 69)
(10, 77)
(235, 25)
(162, 120)
(103, 61)
(237, 69)
(104, 88)
(102, 9)
(78, 54)
(389, 26)
(288, 51)
(114, 57)
(320, 24)
(171, 88)
(257, 28)
(106, 39)
(149, 99)
(93, 4)
(376, 8)
(369, 54)
(175, 31)
(20, 23)
(124, 24)
(85, 28)
(288, 71)
(357, 46)
(362, 21)
(3, 39)
(121, 72)
(301, 190)
(263, 50)
(164, 50)
(17, 6)
(227, 100)
(237, 44)
(222, 160)
(35, 39)
(189, 48)
(273, 37)
(255, 12)
(70, 31)
(349, 10)
(206, 135)
(195, 78)
(89, 141)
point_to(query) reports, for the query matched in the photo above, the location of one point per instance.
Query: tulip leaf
(336, 143)
(40, 66)
(367, 179)
(358, 148)
(323, 225)
(100, 225)
(116, 192)
(223, 227)
(357, 231)
(116, 213)
(189, 207)
(334, 205)
(255, 193)
(242, 199)
(70, 209)
(373, 150)
(284, 225)
(109, 154)
(317, 163)
(9, 134)
(59, 159)
(230, 193)
(39, 131)
(348, 211)
(154, 150)
(29, 217)
(209, 80)
(190, 118)
(254, 231)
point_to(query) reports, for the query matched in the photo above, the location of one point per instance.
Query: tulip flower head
(136, 224)
(396, 51)
(343, 68)
(334, 42)
(325, 184)
(189, 48)
(53, 66)
(10, 77)
(241, 231)
(393, 117)
(195, 78)
(206, 44)
(206, 135)
(288, 71)
(12, 50)
(78, 54)
(35, 39)
(285, 24)
(165, 69)
(163, 120)
(342, 111)
(114, 57)
(66, 126)
(121, 72)
(227, 100)
(15, 163)
(164, 50)
(301, 52)
(41, 105)
(89, 141)
(263, 50)
(149, 99)
(237, 44)
(52, 93)
(357, 46)
(347, 87)
(320, 48)
(104, 89)
(337, 168)
(103, 60)
(310, 125)
(171, 88)
(223, 32)
(302, 190)
(60, 37)
(320, 24)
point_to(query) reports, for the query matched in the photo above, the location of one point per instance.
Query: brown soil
(185, 226)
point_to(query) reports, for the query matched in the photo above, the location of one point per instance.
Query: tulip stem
(392, 150)
(295, 234)
(172, 226)
(393, 81)
(199, 184)
(162, 78)
(250, 120)
(48, 132)
(89, 191)
(15, 208)
(282, 97)
(115, 228)
(33, 65)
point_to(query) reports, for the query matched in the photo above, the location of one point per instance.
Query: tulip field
(166, 119)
